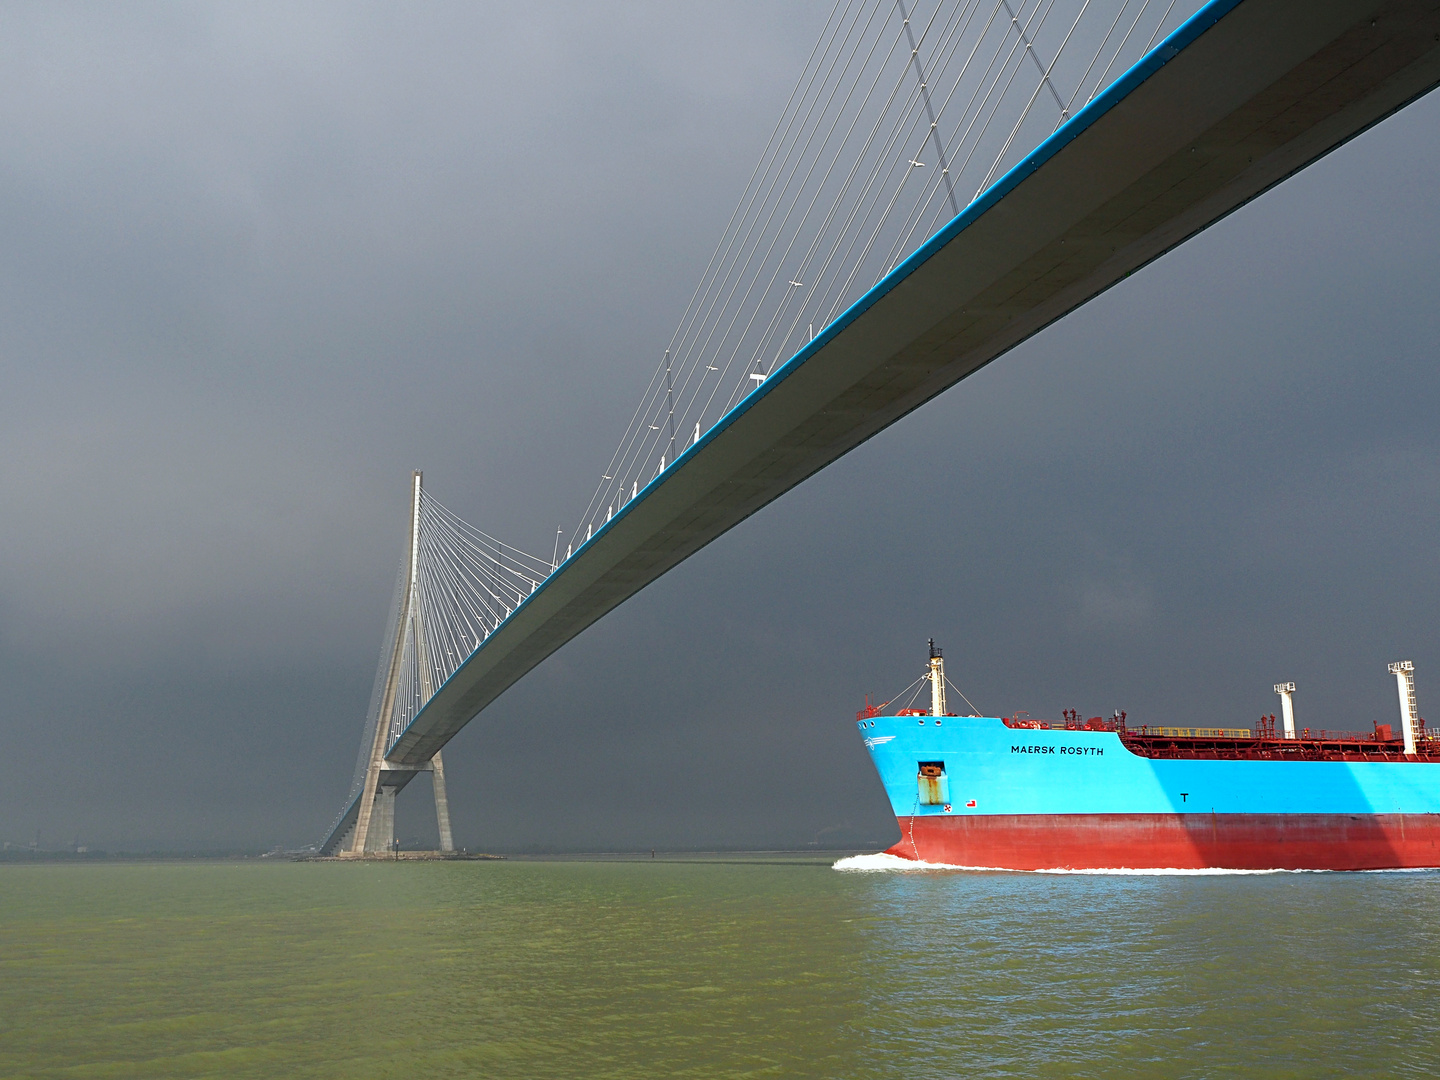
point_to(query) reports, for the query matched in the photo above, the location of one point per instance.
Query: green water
(709, 969)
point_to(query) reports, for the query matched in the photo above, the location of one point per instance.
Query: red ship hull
(1174, 841)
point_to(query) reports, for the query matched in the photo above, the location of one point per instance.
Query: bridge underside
(1238, 99)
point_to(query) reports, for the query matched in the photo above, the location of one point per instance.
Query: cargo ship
(1015, 793)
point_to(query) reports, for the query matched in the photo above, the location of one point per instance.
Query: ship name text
(1035, 748)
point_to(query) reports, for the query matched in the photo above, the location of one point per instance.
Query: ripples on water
(739, 967)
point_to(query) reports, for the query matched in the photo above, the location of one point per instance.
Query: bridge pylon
(373, 830)
(456, 585)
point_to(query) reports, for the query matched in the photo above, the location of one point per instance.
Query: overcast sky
(259, 261)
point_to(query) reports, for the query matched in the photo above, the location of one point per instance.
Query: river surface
(710, 968)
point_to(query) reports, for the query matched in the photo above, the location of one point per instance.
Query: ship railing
(1428, 738)
(1095, 724)
(1062, 725)
(1326, 735)
(1194, 732)
(1263, 734)
(1109, 725)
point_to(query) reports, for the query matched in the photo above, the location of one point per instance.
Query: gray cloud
(259, 261)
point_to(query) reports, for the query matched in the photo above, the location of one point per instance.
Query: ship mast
(936, 676)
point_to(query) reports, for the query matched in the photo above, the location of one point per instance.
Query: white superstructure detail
(1404, 672)
(936, 676)
(1287, 706)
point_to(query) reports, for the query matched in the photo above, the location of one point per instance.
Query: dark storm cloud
(252, 251)
(259, 261)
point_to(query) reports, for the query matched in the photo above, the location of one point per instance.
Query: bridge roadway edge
(1154, 160)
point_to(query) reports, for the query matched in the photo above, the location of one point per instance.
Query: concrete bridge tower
(374, 829)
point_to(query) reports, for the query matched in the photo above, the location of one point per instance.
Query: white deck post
(1404, 672)
(1286, 690)
(937, 681)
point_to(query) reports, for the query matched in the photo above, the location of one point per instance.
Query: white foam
(884, 862)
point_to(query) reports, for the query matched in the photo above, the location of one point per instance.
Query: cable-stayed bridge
(947, 179)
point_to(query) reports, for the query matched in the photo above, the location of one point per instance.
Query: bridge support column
(442, 803)
(381, 836)
(370, 794)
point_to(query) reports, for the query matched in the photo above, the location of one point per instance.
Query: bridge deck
(1238, 98)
